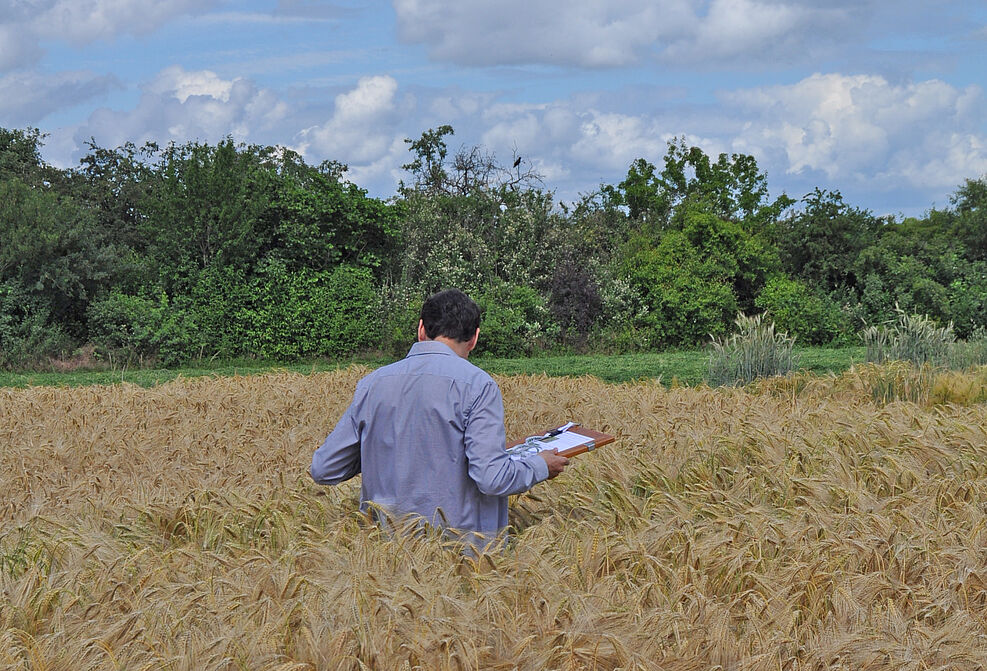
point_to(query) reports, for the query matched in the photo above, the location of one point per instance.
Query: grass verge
(687, 368)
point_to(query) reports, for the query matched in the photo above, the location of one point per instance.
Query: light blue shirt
(427, 432)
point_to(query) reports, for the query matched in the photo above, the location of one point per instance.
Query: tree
(732, 187)
(322, 220)
(471, 221)
(116, 183)
(697, 275)
(51, 256)
(210, 206)
(227, 234)
(644, 194)
(471, 170)
(430, 152)
(821, 243)
(969, 225)
(911, 266)
(54, 258)
(20, 157)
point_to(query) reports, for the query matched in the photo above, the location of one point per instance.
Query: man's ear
(422, 337)
(472, 341)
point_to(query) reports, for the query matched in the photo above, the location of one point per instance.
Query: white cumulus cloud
(363, 128)
(175, 81)
(180, 105)
(863, 127)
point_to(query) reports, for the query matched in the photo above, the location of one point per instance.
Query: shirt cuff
(541, 468)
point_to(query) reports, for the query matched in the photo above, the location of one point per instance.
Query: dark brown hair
(452, 314)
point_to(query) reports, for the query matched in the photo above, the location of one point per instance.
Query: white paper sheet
(561, 442)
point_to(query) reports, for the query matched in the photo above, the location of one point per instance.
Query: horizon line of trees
(189, 251)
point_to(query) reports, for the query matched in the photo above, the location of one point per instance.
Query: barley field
(797, 523)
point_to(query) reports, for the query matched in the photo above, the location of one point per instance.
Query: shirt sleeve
(490, 466)
(338, 458)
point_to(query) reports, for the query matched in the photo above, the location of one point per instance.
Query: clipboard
(570, 439)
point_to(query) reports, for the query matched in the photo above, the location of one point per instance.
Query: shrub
(800, 312)
(515, 321)
(27, 335)
(621, 326)
(308, 313)
(400, 310)
(218, 299)
(351, 320)
(574, 298)
(756, 351)
(687, 295)
(142, 327)
(968, 302)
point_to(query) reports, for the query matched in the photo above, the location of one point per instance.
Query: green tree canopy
(969, 225)
(732, 187)
(821, 242)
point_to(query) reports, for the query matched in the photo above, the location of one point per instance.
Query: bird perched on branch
(517, 161)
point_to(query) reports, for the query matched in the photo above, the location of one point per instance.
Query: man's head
(450, 314)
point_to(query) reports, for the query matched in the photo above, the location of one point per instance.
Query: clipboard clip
(556, 431)
(532, 440)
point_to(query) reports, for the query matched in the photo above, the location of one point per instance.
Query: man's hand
(556, 463)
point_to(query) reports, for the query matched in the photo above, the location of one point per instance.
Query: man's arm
(338, 458)
(490, 467)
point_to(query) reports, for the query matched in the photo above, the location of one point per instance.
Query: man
(427, 432)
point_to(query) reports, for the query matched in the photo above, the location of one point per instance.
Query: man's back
(428, 434)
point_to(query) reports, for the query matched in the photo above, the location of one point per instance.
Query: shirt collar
(431, 347)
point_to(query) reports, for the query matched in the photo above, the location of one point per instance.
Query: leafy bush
(280, 314)
(687, 296)
(27, 335)
(756, 351)
(308, 313)
(351, 299)
(219, 300)
(515, 321)
(400, 310)
(139, 327)
(800, 312)
(574, 298)
(968, 302)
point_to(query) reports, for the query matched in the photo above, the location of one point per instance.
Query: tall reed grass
(970, 352)
(909, 356)
(913, 338)
(755, 351)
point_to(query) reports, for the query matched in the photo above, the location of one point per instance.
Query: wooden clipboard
(595, 439)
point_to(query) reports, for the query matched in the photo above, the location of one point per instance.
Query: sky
(882, 100)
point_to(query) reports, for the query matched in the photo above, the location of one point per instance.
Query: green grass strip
(686, 367)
